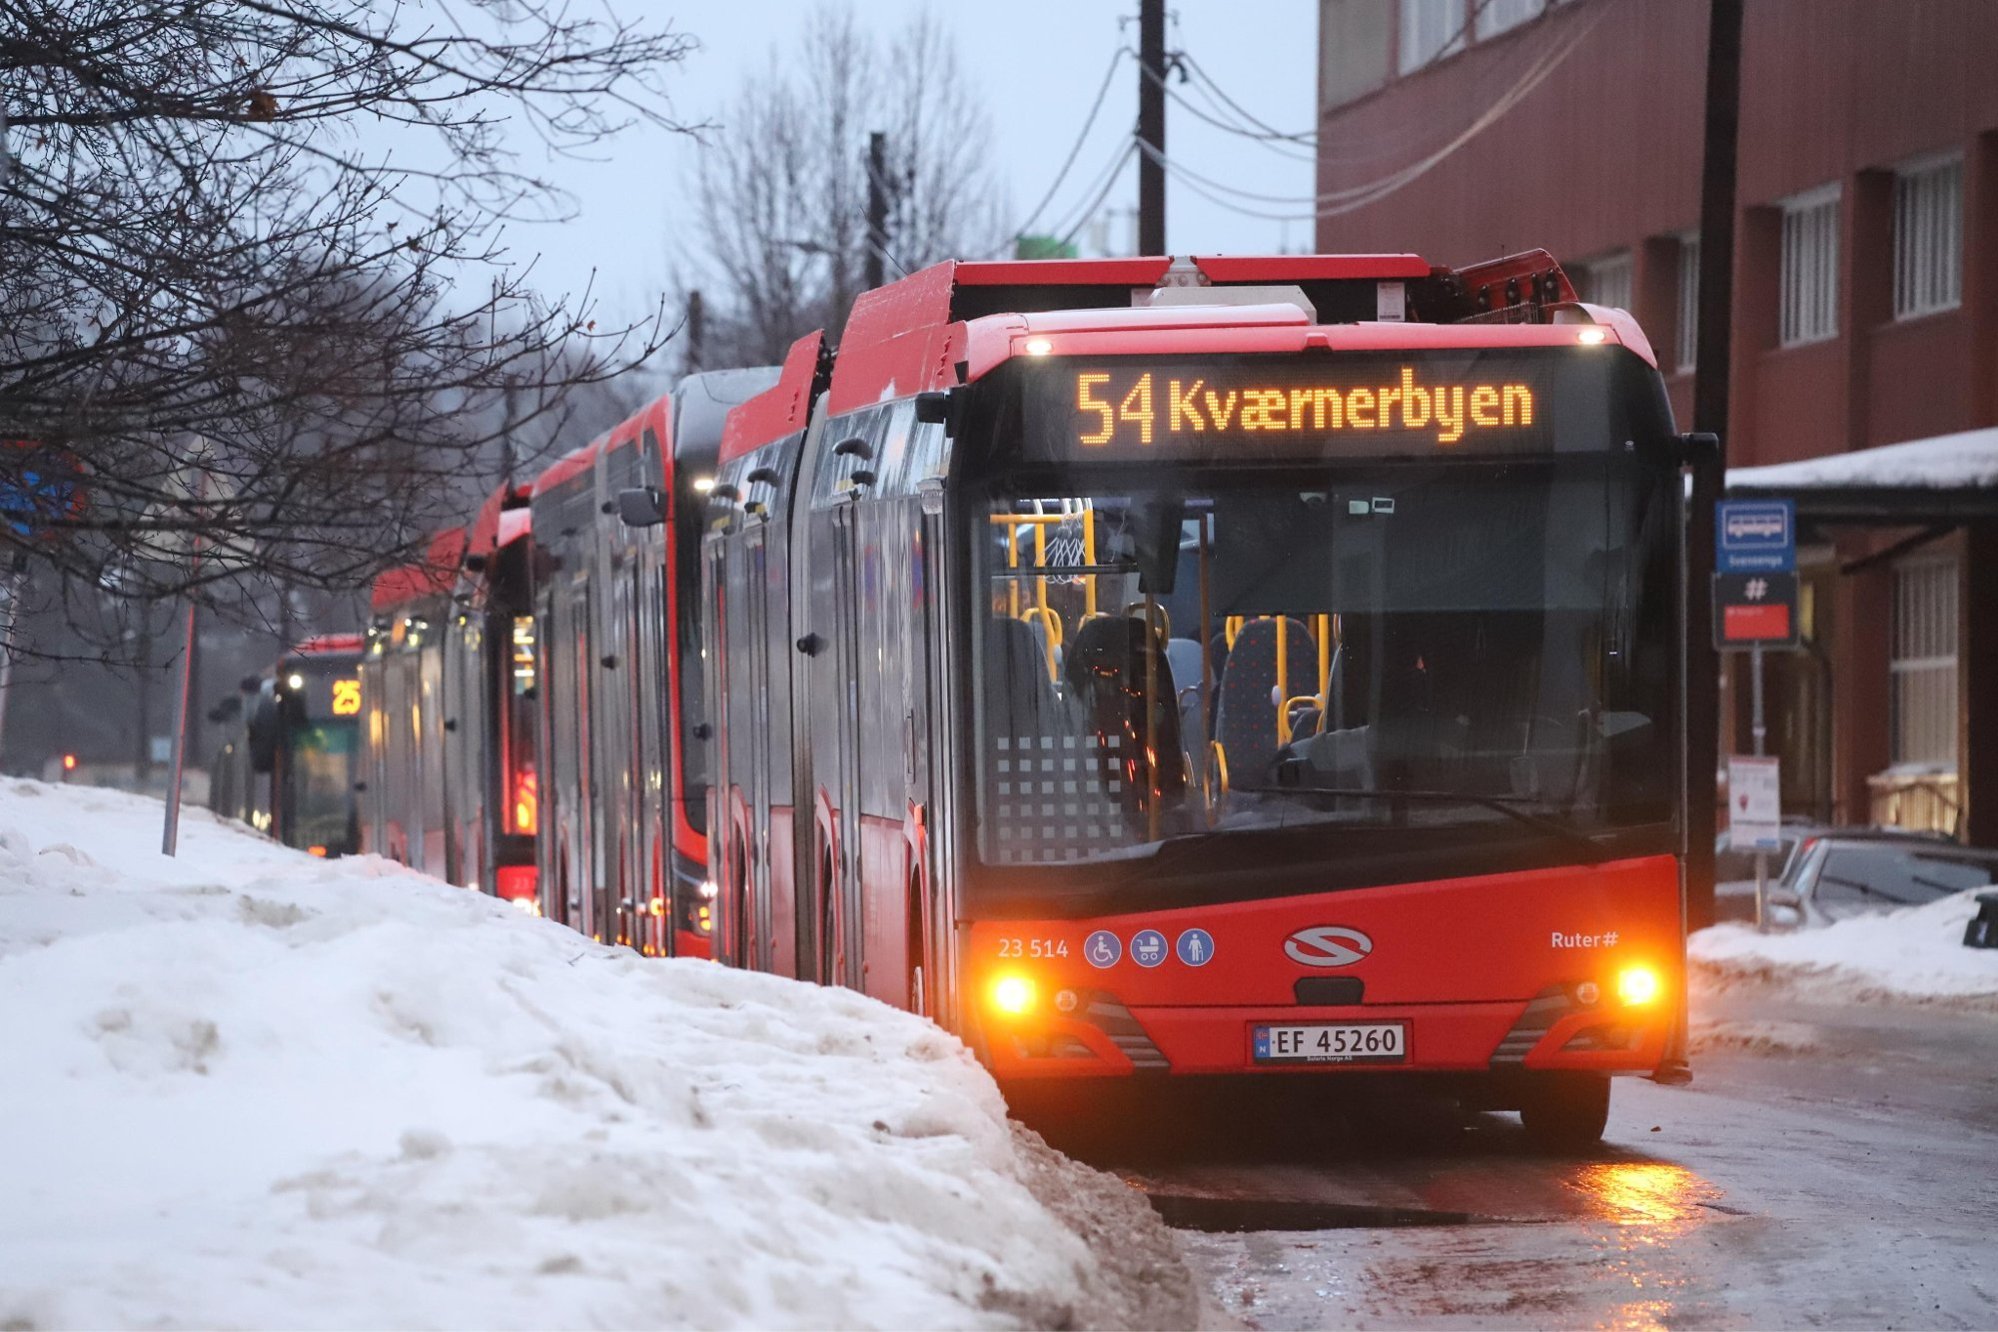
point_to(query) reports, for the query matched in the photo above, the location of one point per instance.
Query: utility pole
(877, 208)
(696, 330)
(509, 451)
(1151, 127)
(1710, 407)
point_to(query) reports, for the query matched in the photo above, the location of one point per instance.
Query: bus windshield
(320, 785)
(1335, 644)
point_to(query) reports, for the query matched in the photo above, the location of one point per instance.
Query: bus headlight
(1012, 995)
(1638, 985)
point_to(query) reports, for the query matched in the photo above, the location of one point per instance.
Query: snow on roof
(245, 1087)
(1968, 460)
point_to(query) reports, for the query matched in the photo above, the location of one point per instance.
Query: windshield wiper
(1175, 850)
(1501, 804)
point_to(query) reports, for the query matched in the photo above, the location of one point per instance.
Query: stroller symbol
(1148, 948)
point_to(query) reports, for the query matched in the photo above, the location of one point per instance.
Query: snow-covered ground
(1916, 953)
(248, 1088)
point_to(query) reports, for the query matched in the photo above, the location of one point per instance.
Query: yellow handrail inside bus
(1324, 667)
(1089, 557)
(1012, 562)
(1214, 778)
(1050, 622)
(1283, 681)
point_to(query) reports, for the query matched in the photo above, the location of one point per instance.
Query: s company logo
(1327, 946)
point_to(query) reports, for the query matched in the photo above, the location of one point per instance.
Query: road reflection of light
(1654, 1194)
(1650, 1205)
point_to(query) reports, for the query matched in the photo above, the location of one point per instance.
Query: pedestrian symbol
(1148, 948)
(1195, 947)
(1102, 949)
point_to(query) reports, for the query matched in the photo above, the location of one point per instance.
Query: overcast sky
(1037, 64)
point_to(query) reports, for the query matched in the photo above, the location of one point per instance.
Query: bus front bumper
(1101, 1037)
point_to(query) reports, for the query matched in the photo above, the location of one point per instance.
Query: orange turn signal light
(1638, 985)
(1012, 995)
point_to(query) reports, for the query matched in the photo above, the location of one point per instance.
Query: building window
(1606, 281)
(1923, 666)
(1688, 349)
(1430, 29)
(1810, 268)
(1497, 16)
(1928, 238)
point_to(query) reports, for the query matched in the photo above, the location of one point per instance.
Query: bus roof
(780, 409)
(430, 576)
(327, 645)
(914, 334)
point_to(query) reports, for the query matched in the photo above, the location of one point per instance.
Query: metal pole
(1759, 731)
(10, 606)
(1151, 127)
(877, 210)
(1710, 411)
(170, 837)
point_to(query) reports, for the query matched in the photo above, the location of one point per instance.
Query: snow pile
(248, 1088)
(1708, 1035)
(1914, 953)
(1967, 460)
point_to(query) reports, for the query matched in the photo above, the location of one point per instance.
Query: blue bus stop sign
(1755, 536)
(39, 489)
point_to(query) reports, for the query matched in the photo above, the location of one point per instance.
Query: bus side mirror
(641, 506)
(1699, 448)
(938, 407)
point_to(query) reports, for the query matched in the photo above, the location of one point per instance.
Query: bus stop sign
(1755, 536)
(1755, 610)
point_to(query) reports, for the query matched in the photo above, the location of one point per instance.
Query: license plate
(1333, 1043)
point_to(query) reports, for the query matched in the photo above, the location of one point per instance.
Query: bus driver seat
(1106, 669)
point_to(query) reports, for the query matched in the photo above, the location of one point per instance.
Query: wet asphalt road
(1832, 1165)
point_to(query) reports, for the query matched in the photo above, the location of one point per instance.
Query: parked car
(1734, 867)
(1839, 875)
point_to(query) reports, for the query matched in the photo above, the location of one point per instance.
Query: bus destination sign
(1133, 408)
(1142, 406)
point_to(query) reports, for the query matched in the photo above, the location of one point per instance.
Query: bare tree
(781, 191)
(252, 284)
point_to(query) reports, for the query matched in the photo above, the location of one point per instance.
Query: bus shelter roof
(1947, 479)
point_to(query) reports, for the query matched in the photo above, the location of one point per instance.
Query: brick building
(1866, 304)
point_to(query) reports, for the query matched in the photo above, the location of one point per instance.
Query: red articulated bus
(622, 851)
(527, 679)
(290, 768)
(1225, 667)
(449, 674)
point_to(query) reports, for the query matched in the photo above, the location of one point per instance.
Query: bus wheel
(1565, 1112)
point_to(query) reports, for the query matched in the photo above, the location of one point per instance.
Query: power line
(1267, 130)
(1338, 202)
(1107, 172)
(1109, 183)
(1075, 150)
(1261, 140)
(1254, 127)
